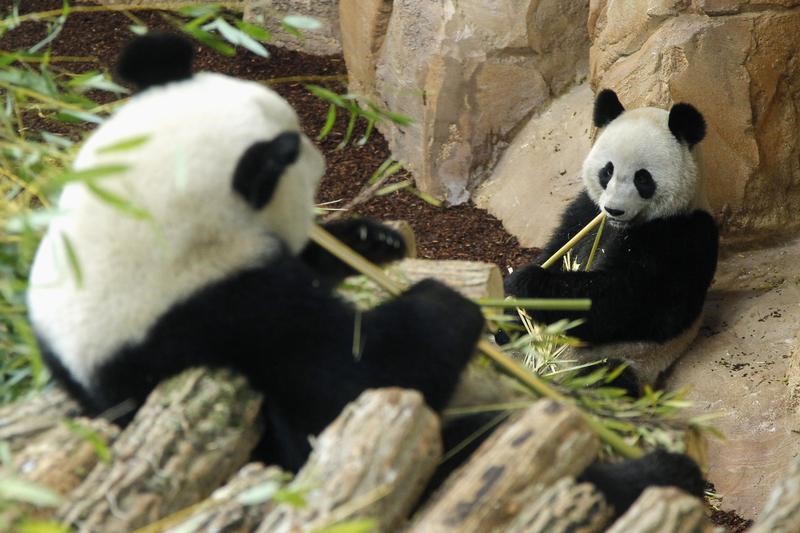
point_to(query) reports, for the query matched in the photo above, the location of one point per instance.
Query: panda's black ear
(687, 124)
(155, 59)
(606, 108)
(260, 168)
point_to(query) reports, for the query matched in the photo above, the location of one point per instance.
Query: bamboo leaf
(72, 260)
(302, 22)
(256, 32)
(330, 120)
(18, 490)
(124, 145)
(118, 202)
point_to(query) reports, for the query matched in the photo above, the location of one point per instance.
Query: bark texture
(664, 510)
(193, 432)
(373, 461)
(545, 443)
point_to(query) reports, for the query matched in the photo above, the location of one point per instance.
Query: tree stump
(23, 420)
(193, 432)
(566, 507)
(664, 510)
(781, 514)
(545, 443)
(373, 461)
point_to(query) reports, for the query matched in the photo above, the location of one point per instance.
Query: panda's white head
(219, 151)
(641, 166)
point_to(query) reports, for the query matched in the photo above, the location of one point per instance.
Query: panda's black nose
(615, 212)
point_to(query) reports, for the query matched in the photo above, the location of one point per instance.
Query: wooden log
(193, 432)
(543, 444)
(566, 507)
(236, 507)
(664, 510)
(23, 420)
(62, 457)
(781, 514)
(473, 279)
(372, 461)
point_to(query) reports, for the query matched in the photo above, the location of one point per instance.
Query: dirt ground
(460, 232)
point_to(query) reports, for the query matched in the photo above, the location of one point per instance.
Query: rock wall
(737, 61)
(469, 72)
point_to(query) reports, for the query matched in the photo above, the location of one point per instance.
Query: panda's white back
(133, 270)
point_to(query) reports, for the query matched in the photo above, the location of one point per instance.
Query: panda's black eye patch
(644, 183)
(605, 174)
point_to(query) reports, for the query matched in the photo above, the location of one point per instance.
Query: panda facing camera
(221, 273)
(658, 252)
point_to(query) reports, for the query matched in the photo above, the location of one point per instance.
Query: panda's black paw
(371, 239)
(454, 318)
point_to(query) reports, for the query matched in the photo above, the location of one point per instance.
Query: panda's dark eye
(644, 183)
(605, 174)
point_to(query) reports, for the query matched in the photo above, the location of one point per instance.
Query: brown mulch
(459, 232)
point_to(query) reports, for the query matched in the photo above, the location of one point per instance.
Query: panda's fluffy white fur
(221, 273)
(658, 251)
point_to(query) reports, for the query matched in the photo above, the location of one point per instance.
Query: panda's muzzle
(614, 212)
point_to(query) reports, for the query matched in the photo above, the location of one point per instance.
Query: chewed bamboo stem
(573, 241)
(505, 362)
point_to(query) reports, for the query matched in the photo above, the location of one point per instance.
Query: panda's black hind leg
(622, 483)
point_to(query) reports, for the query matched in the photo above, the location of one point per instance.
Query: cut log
(473, 279)
(544, 443)
(566, 507)
(63, 456)
(193, 432)
(23, 420)
(664, 510)
(236, 507)
(372, 461)
(781, 514)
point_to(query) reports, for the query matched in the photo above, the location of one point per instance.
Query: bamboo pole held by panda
(573, 241)
(505, 362)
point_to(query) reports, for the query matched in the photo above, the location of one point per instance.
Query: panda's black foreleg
(422, 339)
(375, 241)
(622, 483)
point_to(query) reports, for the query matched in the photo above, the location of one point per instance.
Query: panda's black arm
(578, 213)
(371, 239)
(652, 290)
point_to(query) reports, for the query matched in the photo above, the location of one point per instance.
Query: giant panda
(658, 251)
(221, 273)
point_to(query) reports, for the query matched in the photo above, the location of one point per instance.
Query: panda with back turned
(658, 250)
(223, 274)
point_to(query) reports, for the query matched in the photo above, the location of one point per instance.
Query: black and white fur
(658, 251)
(223, 274)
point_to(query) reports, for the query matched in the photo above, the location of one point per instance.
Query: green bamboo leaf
(209, 40)
(18, 490)
(256, 32)
(138, 29)
(90, 174)
(118, 202)
(237, 37)
(90, 436)
(364, 138)
(357, 525)
(72, 260)
(73, 116)
(351, 125)
(330, 120)
(124, 145)
(40, 526)
(200, 11)
(326, 94)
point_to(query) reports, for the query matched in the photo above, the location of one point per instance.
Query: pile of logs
(182, 466)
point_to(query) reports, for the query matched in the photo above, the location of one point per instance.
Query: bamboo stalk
(573, 241)
(506, 363)
(538, 304)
